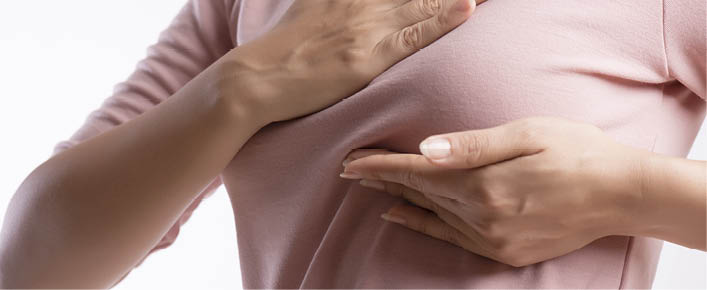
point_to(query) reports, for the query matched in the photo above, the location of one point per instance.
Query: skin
(61, 226)
(538, 188)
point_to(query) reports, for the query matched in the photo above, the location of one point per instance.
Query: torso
(300, 225)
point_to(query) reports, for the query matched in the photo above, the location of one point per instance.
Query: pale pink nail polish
(436, 148)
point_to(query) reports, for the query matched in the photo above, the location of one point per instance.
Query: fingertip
(393, 218)
(364, 152)
(465, 6)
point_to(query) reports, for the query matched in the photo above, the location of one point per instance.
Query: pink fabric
(634, 68)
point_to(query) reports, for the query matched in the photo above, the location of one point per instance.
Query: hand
(322, 51)
(520, 193)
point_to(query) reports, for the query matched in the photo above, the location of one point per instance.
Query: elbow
(26, 236)
(13, 274)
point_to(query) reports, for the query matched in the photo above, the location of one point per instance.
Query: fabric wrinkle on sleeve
(197, 37)
(684, 30)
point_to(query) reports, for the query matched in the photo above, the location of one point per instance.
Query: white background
(60, 59)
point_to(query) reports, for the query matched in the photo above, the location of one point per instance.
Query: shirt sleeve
(684, 25)
(198, 36)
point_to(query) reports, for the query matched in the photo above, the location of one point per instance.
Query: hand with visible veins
(322, 51)
(535, 189)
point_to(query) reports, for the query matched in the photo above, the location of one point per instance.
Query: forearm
(674, 201)
(87, 215)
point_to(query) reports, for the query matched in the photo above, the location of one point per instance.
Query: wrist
(242, 85)
(640, 210)
(266, 79)
(672, 206)
(622, 184)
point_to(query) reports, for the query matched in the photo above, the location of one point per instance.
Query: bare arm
(87, 215)
(674, 201)
(112, 198)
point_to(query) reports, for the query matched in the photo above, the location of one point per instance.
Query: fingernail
(350, 175)
(347, 161)
(375, 184)
(436, 148)
(462, 5)
(393, 219)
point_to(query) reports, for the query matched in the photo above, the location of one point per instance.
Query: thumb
(476, 148)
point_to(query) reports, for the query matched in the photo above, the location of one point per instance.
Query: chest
(513, 59)
(521, 55)
(599, 62)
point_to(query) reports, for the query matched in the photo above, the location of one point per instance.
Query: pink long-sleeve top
(635, 68)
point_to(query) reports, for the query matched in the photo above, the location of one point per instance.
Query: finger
(360, 153)
(413, 37)
(471, 149)
(424, 221)
(445, 208)
(411, 170)
(398, 190)
(428, 223)
(416, 11)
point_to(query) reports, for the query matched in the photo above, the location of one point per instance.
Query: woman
(88, 215)
(635, 69)
(301, 226)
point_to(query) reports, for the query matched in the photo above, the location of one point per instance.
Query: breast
(511, 60)
(298, 221)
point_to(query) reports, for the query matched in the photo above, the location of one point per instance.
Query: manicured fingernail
(375, 184)
(393, 219)
(350, 175)
(436, 148)
(462, 5)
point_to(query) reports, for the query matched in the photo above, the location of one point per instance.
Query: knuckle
(414, 180)
(411, 37)
(473, 147)
(442, 21)
(529, 131)
(493, 195)
(353, 55)
(429, 8)
(356, 61)
(496, 204)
